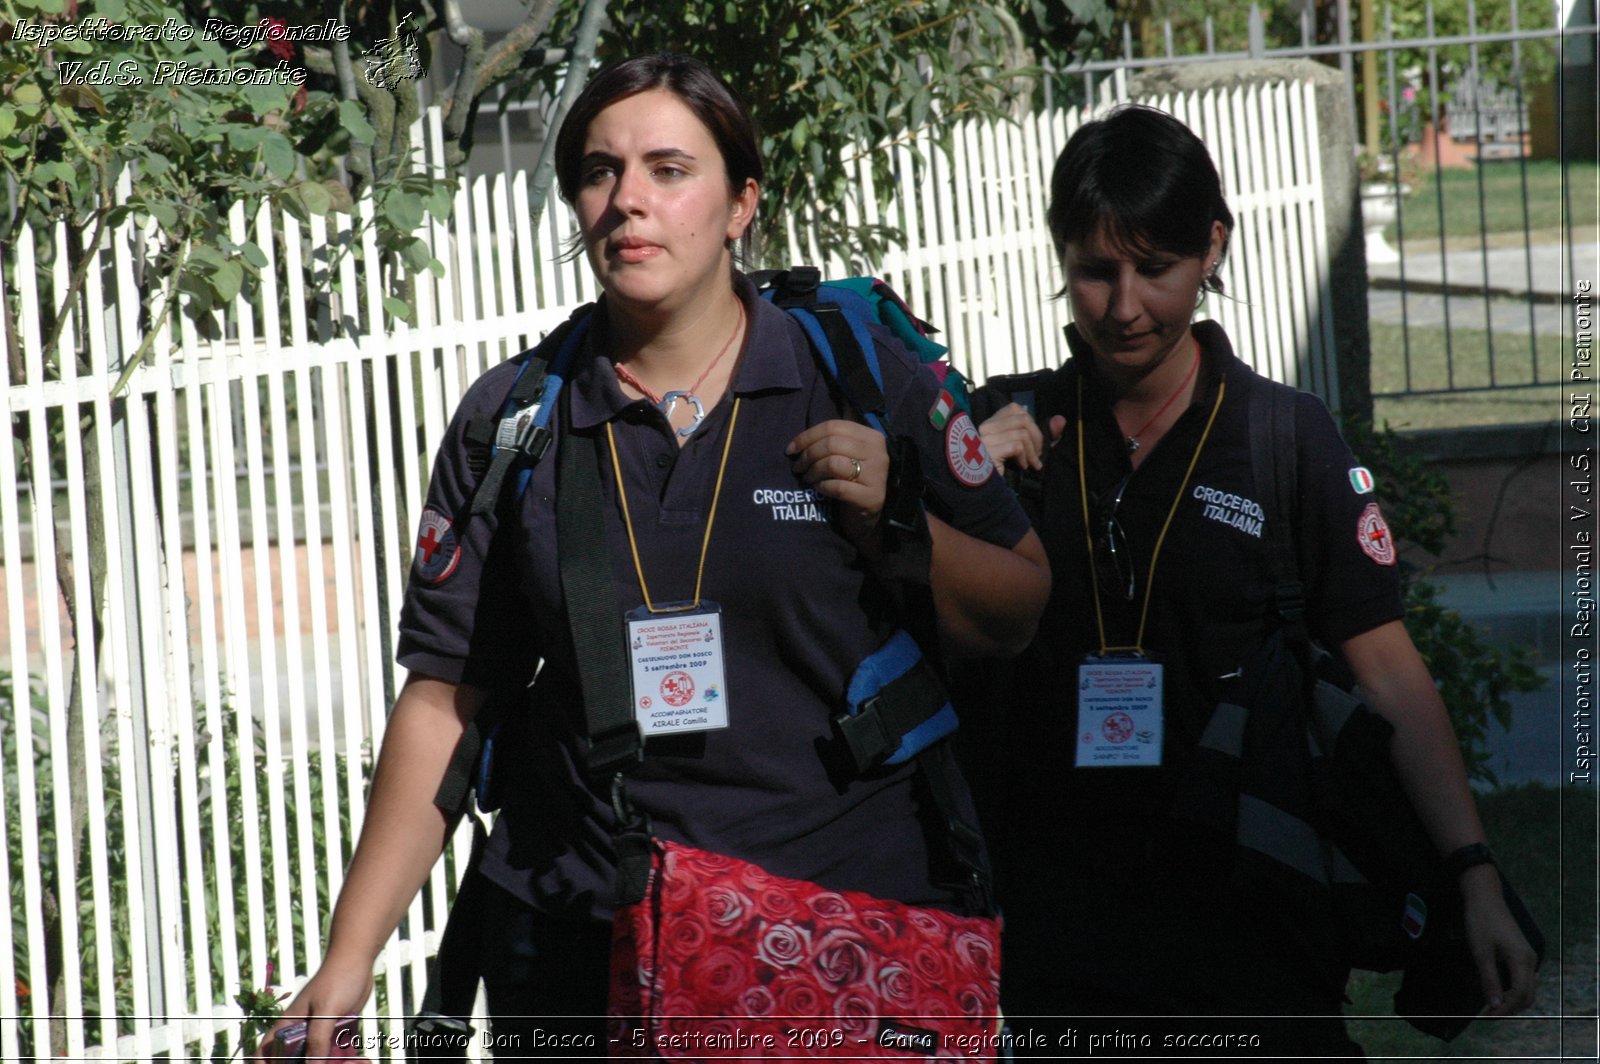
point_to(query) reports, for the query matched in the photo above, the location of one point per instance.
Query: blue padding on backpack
(924, 735)
(889, 662)
(857, 312)
(897, 657)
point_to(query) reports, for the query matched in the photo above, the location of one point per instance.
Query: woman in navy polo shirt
(1147, 507)
(700, 391)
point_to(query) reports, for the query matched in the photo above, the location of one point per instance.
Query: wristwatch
(1469, 856)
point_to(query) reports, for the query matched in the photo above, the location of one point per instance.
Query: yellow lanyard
(705, 542)
(1088, 535)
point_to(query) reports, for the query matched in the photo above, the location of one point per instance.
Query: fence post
(1341, 198)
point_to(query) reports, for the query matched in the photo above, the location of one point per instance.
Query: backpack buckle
(520, 433)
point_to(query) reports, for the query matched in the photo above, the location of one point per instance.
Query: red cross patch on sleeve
(438, 551)
(969, 458)
(1372, 532)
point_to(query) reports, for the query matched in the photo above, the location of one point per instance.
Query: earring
(1205, 284)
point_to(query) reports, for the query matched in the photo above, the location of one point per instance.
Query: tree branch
(506, 56)
(583, 46)
(359, 159)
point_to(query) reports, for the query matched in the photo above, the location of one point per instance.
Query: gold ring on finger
(855, 470)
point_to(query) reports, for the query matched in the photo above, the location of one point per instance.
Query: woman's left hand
(847, 461)
(1497, 944)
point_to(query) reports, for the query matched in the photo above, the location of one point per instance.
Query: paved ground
(1546, 271)
(1500, 314)
(1525, 288)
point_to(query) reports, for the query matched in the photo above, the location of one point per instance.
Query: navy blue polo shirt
(794, 596)
(1078, 836)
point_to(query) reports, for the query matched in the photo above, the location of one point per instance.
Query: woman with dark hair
(1157, 538)
(709, 410)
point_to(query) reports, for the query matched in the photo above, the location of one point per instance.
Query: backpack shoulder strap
(1039, 392)
(1274, 459)
(593, 621)
(835, 319)
(520, 433)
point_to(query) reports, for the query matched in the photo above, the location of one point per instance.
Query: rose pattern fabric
(725, 960)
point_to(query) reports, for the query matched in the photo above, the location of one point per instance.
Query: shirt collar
(1217, 362)
(767, 360)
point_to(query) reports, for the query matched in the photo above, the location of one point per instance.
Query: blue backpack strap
(889, 699)
(521, 434)
(835, 319)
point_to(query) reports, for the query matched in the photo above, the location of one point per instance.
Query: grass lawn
(1465, 363)
(1503, 199)
(1545, 840)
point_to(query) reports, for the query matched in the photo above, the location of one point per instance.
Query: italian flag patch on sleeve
(943, 407)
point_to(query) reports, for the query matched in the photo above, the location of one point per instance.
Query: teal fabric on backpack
(890, 311)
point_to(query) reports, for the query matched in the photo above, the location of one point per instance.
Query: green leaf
(207, 256)
(27, 95)
(84, 96)
(440, 200)
(314, 196)
(264, 99)
(292, 204)
(226, 279)
(404, 210)
(436, 268)
(278, 154)
(354, 121)
(397, 308)
(51, 7)
(194, 284)
(416, 255)
(8, 121)
(155, 165)
(253, 255)
(245, 138)
(49, 173)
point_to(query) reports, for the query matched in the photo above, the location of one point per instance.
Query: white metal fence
(201, 575)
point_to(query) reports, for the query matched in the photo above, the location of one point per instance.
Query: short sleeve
(1347, 548)
(963, 486)
(457, 622)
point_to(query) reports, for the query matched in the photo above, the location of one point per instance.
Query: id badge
(1119, 713)
(676, 661)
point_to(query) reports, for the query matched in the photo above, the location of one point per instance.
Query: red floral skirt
(724, 960)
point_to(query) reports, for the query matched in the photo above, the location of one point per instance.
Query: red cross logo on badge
(963, 447)
(438, 551)
(677, 688)
(1372, 532)
(1117, 728)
